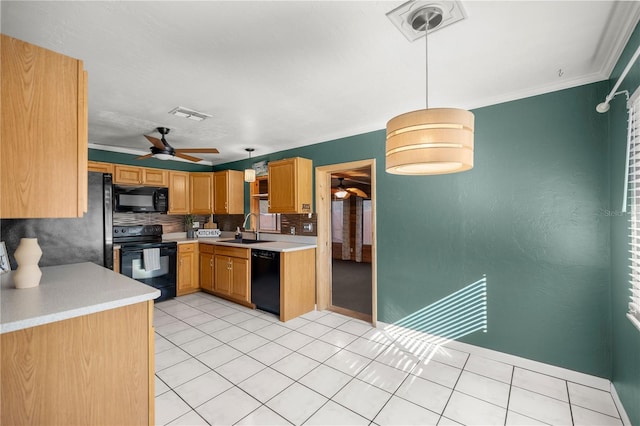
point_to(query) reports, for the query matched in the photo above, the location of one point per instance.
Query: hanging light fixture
(249, 174)
(341, 190)
(429, 141)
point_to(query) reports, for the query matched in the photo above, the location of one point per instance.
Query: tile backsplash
(226, 222)
(170, 223)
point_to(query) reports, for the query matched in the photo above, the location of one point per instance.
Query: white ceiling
(281, 74)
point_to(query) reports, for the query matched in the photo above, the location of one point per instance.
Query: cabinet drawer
(206, 248)
(233, 251)
(187, 248)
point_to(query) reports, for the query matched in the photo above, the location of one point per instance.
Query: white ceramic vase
(27, 256)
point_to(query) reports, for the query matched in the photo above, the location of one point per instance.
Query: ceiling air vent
(189, 113)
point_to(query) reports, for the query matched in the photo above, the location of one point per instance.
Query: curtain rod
(604, 106)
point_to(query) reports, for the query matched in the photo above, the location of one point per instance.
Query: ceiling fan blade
(188, 157)
(200, 150)
(142, 157)
(155, 142)
(358, 192)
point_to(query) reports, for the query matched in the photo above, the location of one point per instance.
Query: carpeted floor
(352, 285)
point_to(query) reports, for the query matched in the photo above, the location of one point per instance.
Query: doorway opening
(346, 258)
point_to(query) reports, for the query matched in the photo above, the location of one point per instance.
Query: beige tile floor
(220, 363)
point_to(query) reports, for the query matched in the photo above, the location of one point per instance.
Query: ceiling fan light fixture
(163, 156)
(341, 193)
(429, 141)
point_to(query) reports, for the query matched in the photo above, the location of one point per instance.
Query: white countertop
(280, 246)
(67, 291)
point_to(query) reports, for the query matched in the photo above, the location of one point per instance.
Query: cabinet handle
(211, 262)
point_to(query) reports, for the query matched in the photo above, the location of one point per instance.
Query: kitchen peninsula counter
(67, 291)
(279, 246)
(75, 347)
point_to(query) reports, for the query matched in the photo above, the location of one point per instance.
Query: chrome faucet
(257, 222)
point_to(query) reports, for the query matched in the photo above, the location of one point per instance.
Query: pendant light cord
(426, 59)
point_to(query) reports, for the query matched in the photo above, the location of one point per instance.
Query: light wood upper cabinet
(187, 268)
(155, 177)
(228, 192)
(178, 193)
(43, 154)
(97, 166)
(290, 184)
(127, 175)
(132, 175)
(201, 193)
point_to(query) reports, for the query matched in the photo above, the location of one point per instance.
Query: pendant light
(249, 174)
(429, 141)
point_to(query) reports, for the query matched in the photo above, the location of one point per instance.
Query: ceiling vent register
(189, 113)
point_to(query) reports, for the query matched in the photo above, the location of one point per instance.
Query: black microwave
(141, 199)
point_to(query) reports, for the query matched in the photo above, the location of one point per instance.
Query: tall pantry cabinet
(43, 155)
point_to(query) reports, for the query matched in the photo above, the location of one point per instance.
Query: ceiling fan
(343, 193)
(163, 151)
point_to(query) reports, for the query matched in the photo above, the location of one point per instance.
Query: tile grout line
(255, 332)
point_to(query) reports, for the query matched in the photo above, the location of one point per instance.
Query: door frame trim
(323, 251)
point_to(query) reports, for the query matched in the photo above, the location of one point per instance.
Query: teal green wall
(625, 337)
(530, 216)
(130, 159)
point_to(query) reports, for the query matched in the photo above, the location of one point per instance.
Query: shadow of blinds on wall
(633, 175)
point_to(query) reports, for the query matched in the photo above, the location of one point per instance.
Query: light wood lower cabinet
(226, 272)
(206, 267)
(116, 260)
(297, 283)
(232, 274)
(96, 369)
(187, 268)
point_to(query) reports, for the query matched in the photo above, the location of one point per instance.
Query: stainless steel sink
(246, 241)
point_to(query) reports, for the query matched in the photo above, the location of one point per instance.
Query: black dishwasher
(265, 280)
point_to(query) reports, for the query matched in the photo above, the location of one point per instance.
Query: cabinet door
(206, 271)
(221, 271)
(178, 193)
(127, 175)
(187, 268)
(240, 279)
(155, 177)
(97, 166)
(220, 191)
(282, 186)
(43, 154)
(201, 193)
(228, 192)
(235, 195)
(290, 185)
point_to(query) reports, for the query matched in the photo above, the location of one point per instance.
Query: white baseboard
(623, 414)
(541, 367)
(548, 369)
